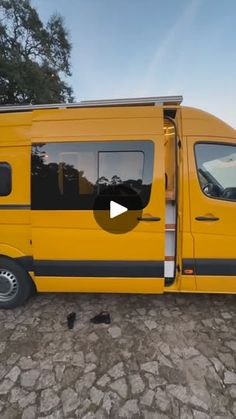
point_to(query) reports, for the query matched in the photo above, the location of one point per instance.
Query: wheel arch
(9, 251)
(26, 261)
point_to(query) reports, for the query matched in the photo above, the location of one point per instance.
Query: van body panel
(198, 122)
(104, 285)
(14, 252)
(56, 227)
(15, 214)
(93, 113)
(15, 128)
(18, 157)
(94, 123)
(216, 284)
(15, 239)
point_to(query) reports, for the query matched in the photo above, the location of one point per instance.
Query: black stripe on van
(117, 268)
(220, 267)
(15, 207)
(27, 262)
(94, 268)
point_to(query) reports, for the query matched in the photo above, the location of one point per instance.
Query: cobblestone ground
(170, 356)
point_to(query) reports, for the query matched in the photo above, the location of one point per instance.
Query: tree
(34, 57)
(115, 180)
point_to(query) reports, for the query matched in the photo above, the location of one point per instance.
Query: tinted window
(120, 172)
(5, 179)
(216, 164)
(71, 175)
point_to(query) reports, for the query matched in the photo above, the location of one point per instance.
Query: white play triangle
(116, 209)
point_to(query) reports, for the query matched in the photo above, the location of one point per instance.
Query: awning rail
(148, 101)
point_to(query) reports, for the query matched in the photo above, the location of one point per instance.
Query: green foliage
(34, 57)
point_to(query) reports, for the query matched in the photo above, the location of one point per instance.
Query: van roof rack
(151, 101)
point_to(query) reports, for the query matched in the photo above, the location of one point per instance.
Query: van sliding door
(121, 155)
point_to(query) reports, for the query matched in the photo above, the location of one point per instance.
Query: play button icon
(117, 214)
(116, 209)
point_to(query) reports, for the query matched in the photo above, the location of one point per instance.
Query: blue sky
(132, 48)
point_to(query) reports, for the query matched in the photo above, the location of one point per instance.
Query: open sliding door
(120, 156)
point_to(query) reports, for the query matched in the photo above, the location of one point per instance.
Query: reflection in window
(216, 165)
(120, 173)
(76, 173)
(5, 179)
(71, 175)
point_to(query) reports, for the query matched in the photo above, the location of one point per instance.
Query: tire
(16, 286)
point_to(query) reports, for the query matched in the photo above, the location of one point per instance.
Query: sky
(136, 48)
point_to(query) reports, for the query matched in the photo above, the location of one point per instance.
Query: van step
(169, 269)
(169, 258)
(170, 196)
(170, 227)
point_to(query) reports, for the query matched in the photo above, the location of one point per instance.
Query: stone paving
(167, 356)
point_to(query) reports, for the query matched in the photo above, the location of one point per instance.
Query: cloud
(164, 48)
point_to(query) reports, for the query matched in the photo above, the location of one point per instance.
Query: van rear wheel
(15, 284)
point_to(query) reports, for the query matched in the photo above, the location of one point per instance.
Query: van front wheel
(15, 284)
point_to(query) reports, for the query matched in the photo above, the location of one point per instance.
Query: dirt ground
(168, 356)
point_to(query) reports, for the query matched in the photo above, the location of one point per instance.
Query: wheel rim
(8, 285)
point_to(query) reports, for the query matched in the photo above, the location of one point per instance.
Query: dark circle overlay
(123, 223)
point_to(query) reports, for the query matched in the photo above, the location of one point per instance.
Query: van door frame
(172, 283)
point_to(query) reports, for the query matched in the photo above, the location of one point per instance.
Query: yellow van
(120, 196)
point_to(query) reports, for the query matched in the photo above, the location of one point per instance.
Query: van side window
(5, 179)
(70, 175)
(216, 165)
(120, 172)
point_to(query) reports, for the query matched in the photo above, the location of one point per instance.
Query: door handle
(205, 218)
(149, 218)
